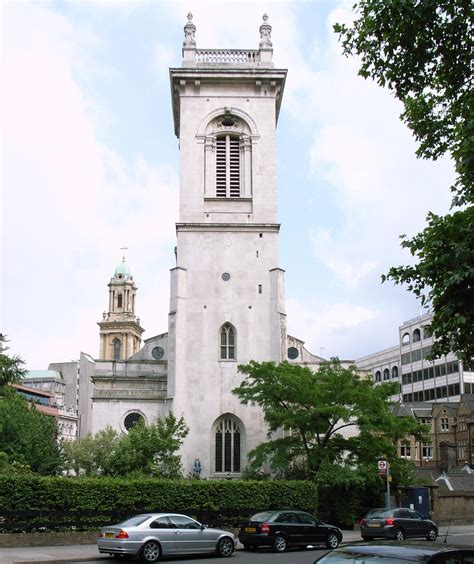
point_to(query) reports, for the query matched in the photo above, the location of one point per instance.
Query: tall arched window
(228, 166)
(386, 374)
(227, 342)
(228, 139)
(416, 336)
(406, 339)
(119, 300)
(378, 376)
(117, 349)
(228, 445)
(394, 371)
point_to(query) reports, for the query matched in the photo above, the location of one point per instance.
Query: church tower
(227, 291)
(120, 330)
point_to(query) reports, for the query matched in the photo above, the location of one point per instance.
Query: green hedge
(32, 502)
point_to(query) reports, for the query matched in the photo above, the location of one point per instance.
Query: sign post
(383, 468)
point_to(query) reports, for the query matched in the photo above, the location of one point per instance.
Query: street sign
(383, 467)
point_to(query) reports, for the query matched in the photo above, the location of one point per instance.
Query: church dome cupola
(123, 270)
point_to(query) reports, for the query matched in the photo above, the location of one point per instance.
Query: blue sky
(90, 162)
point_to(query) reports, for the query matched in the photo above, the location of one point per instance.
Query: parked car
(153, 535)
(390, 553)
(285, 528)
(398, 523)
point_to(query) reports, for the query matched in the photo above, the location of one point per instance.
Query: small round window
(225, 276)
(132, 419)
(158, 353)
(293, 353)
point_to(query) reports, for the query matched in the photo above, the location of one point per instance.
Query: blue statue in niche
(196, 468)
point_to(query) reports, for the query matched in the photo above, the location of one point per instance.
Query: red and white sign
(383, 467)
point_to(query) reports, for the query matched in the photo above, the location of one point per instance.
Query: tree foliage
(422, 51)
(443, 277)
(336, 424)
(11, 367)
(27, 436)
(147, 450)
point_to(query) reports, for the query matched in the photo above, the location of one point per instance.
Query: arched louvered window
(228, 445)
(227, 342)
(117, 349)
(228, 166)
(119, 300)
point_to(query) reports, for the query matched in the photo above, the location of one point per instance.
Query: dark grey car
(398, 524)
(153, 535)
(393, 553)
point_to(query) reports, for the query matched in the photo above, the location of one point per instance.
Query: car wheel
(399, 535)
(332, 541)
(432, 534)
(225, 547)
(151, 551)
(279, 543)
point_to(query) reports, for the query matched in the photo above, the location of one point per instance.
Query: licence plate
(109, 535)
(374, 524)
(250, 530)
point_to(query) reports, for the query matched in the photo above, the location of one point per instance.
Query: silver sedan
(153, 535)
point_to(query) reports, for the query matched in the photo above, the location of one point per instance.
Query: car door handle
(177, 532)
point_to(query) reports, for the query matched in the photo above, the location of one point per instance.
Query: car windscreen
(134, 521)
(264, 516)
(379, 513)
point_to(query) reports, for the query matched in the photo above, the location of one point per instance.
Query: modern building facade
(421, 380)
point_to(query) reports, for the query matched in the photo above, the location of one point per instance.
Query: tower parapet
(193, 57)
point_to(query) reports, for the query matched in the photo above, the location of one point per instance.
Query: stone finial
(189, 33)
(265, 34)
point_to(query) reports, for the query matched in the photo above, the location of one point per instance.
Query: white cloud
(71, 201)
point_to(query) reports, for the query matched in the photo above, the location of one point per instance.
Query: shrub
(29, 502)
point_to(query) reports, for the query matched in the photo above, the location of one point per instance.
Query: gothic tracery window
(227, 344)
(228, 445)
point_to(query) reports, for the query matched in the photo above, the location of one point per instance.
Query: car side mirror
(203, 527)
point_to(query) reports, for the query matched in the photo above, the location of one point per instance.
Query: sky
(90, 164)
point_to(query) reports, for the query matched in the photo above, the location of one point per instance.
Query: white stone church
(227, 298)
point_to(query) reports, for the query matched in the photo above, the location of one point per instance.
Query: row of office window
(386, 374)
(416, 355)
(433, 393)
(416, 336)
(431, 372)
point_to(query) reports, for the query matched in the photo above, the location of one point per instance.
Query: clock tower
(227, 304)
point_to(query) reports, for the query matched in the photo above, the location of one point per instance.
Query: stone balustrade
(228, 56)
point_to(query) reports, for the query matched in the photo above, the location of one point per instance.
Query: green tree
(336, 424)
(11, 367)
(421, 51)
(91, 456)
(150, 450)
(27, 436)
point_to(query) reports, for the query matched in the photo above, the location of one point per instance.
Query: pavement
(87, 552)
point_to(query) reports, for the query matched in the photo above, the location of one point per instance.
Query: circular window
(132, 419)
(158, 353)
(226, 276)
(293, 353)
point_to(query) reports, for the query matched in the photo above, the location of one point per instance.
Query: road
(263, 556)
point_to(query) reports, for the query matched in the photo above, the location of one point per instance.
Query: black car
(398, 524)
(390, 553)
(286, 528)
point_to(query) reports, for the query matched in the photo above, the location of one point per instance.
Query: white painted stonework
(227, 298)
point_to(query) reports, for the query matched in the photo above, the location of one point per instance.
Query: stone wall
(47, 539)
(453, 508)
